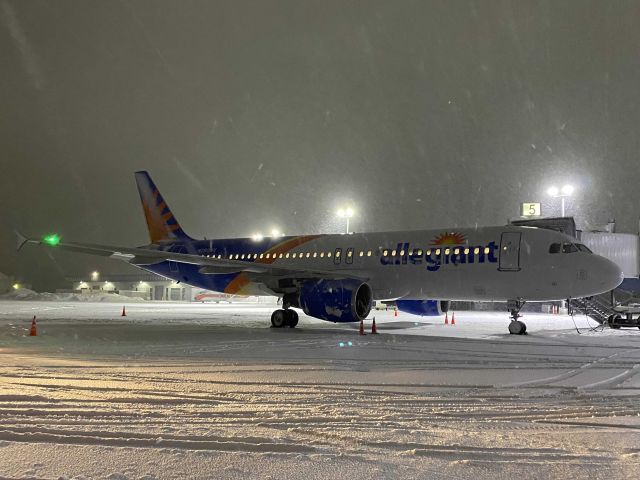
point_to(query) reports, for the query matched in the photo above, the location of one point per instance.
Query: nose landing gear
(284, 318)
(516, 327)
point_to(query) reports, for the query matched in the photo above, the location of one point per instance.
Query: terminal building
(149, 286)
(142, 285)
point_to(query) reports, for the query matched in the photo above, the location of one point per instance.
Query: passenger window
(385, 253)
(555, 248)
(349, 258)
(369, 253)
(321, 254)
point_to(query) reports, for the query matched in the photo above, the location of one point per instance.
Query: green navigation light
(52, 239)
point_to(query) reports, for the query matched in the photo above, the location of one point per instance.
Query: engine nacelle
(424, 308)
(336, 300)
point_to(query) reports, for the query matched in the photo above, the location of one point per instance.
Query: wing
(148, 256)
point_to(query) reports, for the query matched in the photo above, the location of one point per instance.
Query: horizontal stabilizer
(21, 240)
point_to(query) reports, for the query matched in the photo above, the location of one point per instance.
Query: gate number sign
(530, 209)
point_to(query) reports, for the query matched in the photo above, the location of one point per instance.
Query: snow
(180, 390)
(25, 294)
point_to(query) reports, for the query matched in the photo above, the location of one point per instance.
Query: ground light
(52, 239)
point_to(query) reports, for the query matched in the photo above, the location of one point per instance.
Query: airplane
(336, 277)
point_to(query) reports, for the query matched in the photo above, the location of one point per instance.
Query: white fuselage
(488, 263)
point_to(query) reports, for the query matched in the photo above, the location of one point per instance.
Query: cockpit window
(555, 248)
(583, 248)
(569, 248)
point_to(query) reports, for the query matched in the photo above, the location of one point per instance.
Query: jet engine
(336, 300)
(424, 308)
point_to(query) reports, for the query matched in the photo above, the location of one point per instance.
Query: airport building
(149, 286)
(142, 285)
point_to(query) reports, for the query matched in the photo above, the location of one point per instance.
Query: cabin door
(510, 252)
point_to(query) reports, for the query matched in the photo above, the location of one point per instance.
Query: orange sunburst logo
(449, 238)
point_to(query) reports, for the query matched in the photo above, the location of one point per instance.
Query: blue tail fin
(163, 226)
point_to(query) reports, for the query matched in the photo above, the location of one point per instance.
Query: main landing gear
(284, 318)
(516, 327)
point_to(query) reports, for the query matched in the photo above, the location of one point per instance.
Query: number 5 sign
(530, 209)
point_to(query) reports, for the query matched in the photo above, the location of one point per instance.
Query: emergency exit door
(510, 252)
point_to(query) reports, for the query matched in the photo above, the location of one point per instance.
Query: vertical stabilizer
(163, 226)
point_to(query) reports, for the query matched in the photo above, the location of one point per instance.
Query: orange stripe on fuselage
(237, 284)
(286, 246)
(242, 280)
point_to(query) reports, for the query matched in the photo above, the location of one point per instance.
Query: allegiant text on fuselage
(436, 256)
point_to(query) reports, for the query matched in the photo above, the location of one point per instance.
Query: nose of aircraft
(607, 275)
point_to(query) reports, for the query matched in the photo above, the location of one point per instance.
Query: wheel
(516, 327)
(292, 318)
(278, 319)
(613, 322)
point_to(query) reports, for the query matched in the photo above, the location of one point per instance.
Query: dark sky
(252, 114)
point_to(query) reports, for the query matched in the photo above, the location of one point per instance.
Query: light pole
(346, 213)
(561, 193)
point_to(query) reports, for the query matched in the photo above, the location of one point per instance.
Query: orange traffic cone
(34, 331)
(446, 318)
(395, 312)
(361, 332)
(453, 318)
(374, 330)
(124, 313)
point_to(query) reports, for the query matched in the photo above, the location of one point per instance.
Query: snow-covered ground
(209, 391)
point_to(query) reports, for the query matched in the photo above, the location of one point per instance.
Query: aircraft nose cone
(610, 275)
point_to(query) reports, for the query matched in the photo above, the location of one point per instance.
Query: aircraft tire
(279, 319)
(292, 318)
(517, 328)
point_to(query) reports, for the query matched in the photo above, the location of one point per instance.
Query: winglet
(21, 240)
